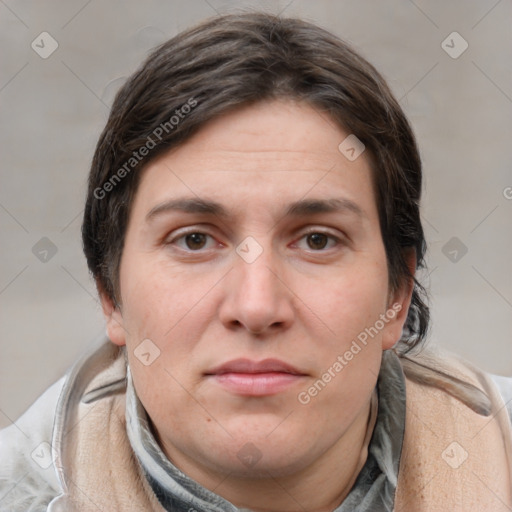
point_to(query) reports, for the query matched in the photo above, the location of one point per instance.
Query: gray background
(53, 109)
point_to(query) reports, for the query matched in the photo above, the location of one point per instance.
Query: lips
(248, 366)
(255, 378)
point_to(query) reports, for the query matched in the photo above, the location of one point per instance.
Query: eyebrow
(311, 206)
(188, 205)
(300, 208)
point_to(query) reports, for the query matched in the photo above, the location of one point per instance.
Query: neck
(319, 487)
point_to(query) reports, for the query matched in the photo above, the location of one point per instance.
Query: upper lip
(249, 366)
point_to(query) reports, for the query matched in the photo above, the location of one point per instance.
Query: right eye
(192, 241)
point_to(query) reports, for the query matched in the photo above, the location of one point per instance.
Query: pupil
(318, 240)
(195, 240)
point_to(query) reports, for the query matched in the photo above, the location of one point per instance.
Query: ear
(113, 317)
(398, 305)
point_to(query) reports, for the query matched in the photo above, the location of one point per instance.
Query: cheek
(346, 301)
(169, 308)
(345, 395)
(156, 296)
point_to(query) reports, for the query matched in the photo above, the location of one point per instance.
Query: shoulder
(26, 468)
(454, 375)
(504, 385)
(455, 419)
(31, 449)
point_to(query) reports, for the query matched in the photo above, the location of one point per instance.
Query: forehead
(270, 153)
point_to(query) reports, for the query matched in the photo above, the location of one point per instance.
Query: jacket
(74, 449)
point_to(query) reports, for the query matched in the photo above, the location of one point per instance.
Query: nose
(257, 296)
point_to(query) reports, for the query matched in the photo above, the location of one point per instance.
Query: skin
(303, 300)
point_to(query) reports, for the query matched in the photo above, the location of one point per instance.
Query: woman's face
(253, 264)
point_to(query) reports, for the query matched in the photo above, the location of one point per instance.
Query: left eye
(318, 241)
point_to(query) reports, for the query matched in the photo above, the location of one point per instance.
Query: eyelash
(184, 235)
(330, 237)
(338, 241)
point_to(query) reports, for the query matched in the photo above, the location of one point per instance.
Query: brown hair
(234, 60)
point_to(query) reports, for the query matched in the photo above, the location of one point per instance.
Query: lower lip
(256, 384)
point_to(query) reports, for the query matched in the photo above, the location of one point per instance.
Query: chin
(261, 455)
(252, 463)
